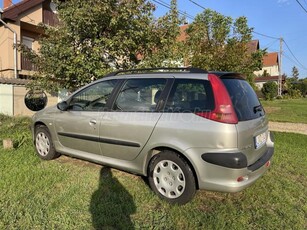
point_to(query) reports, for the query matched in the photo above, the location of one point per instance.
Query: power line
(180, 11)
(264, 35)
(169, 7)
(270, 44)
(302, 66)
(301, 5)
(288, 57)
(195, 3)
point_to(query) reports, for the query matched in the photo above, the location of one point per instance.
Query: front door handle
(93, 122)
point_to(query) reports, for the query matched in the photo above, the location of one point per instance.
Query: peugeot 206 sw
(183, 128)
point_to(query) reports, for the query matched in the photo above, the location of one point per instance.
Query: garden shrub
(269, 90)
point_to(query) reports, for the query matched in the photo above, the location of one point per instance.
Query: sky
(271, 18)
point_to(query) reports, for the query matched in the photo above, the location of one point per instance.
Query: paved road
(288, 127)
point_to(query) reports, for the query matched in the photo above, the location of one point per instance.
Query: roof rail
(187, 69)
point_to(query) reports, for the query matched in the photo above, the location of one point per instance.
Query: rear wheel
(43, 144)
(171, 177)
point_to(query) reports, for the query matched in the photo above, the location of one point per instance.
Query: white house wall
(271, 70)
(6, 100)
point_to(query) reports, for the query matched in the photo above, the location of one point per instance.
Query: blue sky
(273, 18)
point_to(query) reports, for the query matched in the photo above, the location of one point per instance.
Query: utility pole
(280, 72)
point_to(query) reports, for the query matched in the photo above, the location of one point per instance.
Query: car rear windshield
(244, 99)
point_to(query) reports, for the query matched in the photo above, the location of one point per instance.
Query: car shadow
(111, 204)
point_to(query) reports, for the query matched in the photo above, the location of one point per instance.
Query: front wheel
(171, 177)
(43, 144)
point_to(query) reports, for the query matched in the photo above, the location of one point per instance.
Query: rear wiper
(257, 108)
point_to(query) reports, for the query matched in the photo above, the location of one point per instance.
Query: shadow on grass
(111, 205)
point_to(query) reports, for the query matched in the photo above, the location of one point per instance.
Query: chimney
(7, 3)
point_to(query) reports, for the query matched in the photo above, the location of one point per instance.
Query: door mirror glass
(35, 100)
(62, 106)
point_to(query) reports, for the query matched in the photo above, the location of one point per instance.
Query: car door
(126, 129)
(78, 127)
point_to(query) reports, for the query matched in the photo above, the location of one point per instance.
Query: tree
(164, 49)
(265, 73)
(96, 37)
(218, 42)
(295, 73)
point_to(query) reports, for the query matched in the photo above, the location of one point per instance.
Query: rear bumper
(237, 160)
(262, 161)
(228, 171)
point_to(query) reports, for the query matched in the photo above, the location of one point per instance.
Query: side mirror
(62, 106)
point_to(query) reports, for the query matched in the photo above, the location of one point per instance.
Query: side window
(139, 95)
(93, 98)
(190, 95)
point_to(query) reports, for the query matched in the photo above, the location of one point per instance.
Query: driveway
(288, 127)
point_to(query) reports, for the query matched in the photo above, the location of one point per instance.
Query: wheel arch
(35, 126)
(159, 149)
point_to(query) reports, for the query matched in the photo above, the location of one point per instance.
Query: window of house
(139, 95)
(28, 42)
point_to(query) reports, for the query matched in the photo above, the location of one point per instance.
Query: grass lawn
(292, 110)
(72, 194)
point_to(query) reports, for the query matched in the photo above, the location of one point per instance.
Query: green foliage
(217, 42)
(95, 37)
(300, 86)
(164, 50)
(16, 129)
(296, 88)
(269, 90)
(293, 93)
(265, 73)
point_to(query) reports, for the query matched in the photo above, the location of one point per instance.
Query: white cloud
(287, 2)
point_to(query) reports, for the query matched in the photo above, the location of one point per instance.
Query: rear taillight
(224, 111)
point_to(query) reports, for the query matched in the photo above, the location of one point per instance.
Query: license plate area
(260, 140)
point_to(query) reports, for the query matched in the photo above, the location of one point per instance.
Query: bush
(259, 93)
(295, 93)
(269, 90)
(301, 86)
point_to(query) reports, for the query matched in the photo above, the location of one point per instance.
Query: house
(19, 25)
(270, 65)
(259, 81)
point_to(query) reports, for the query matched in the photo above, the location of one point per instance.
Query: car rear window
(244, 99)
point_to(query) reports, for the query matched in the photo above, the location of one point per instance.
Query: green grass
(292, 110)
(72, 194)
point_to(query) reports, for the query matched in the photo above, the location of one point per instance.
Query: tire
(44, 145)
(171, 178)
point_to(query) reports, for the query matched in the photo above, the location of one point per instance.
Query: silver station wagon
(183, 128)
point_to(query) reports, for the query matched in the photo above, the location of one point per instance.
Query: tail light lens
(224, 111)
